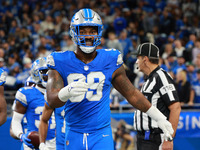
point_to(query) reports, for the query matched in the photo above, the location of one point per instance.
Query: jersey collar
(151, 74)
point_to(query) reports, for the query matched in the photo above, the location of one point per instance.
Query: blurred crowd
(31, 28)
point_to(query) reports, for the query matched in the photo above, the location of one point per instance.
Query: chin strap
(44, 84)
(87, 49)
(42, 90)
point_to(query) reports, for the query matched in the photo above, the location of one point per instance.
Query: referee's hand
(167, 129)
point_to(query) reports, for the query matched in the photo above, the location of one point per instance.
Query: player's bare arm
(3, 107)
(43, 127)
(125, 87)
(175, 110)
(54, 85)
(19, 108)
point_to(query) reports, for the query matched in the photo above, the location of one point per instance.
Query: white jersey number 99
(95, 80)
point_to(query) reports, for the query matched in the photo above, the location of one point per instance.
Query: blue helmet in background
(39, 71)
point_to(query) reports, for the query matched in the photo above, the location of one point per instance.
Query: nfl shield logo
(86, 68)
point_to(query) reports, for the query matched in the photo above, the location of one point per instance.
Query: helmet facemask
(43, 76)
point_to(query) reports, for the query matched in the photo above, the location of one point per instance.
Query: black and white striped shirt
(159, 89)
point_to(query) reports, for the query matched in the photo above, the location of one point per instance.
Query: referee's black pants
(148, 141)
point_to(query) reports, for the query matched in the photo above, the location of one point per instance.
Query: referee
(159, 89)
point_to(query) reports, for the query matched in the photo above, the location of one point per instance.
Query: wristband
(63, 94)
(155, 114)
(42, 145)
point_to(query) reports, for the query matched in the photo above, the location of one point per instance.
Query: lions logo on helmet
(39, 71)
(86, 17)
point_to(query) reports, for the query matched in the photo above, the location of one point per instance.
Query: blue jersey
(60, 127)
(2, 76)
(33, 100)
(93, 111)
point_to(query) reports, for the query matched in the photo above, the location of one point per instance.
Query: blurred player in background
(81, 81)
(30, 102)
(3, 104)
(29, 82)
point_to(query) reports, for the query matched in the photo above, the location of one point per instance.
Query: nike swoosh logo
(105, 135)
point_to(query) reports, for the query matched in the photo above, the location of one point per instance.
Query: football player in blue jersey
(60, 126)
(81, 80)
(30, 102)
(3, 104)
(29, 82)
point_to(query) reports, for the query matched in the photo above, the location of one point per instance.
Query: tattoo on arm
(54, 84)
(126, 88)
(55, 81)
(121, 82)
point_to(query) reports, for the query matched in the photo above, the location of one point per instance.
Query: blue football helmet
(39, 71)
(86, 17)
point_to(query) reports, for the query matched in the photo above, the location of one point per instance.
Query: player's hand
(77, 88)
(73, 89)
(24, 138)
(167, 129)
(43, 146)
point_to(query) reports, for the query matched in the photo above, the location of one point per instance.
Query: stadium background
(31, 28)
